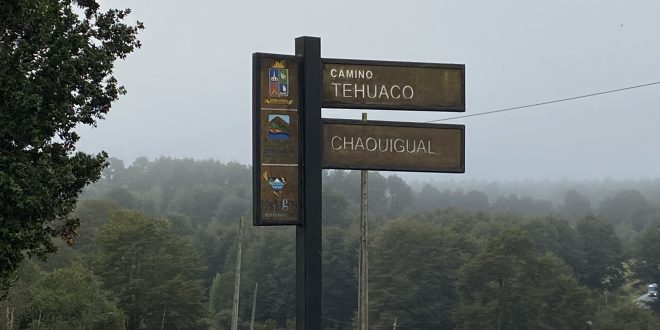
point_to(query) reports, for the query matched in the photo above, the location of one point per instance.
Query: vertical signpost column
(308, 235)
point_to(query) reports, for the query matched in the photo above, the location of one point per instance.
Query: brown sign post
(361, 84)
(292, 143)
(393, 146)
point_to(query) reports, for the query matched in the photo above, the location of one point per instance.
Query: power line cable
(547, 102)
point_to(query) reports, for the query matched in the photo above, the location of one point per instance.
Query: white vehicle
(653, 290)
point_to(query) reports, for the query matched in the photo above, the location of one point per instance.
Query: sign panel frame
(387, 65)
(283, 171)
(388, 124)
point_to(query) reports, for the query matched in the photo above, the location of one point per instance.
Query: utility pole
(254, 306)
(363, 269)
(237, 281)
(10, 317)
(162, 321)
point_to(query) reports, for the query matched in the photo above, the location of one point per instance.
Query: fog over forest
(571, 252)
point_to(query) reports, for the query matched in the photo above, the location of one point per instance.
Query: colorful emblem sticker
(278, 80)
(276, 183)
(278, 127)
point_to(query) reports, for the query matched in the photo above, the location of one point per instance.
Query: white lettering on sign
(375, 91)
(366, 90)
(351, 74)
(382, 145)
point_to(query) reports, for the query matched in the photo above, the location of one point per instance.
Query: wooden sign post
(292, 144)
(308, 235)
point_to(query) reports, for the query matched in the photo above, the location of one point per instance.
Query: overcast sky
(189, 86)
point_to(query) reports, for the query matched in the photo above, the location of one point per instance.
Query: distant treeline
(211, 191)
(158, 242)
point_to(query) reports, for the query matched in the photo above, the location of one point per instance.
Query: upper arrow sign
(364, 84)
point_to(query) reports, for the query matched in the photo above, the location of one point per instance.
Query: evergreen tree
(602, 254)
(648, 254)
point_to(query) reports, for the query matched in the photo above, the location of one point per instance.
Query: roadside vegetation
(158, 239)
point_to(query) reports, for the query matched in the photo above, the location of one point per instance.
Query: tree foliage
(576, 205)
(413, 273)
(271, 260)
(625, 316)
(340, 262)
(556, 236)
(602, 252)
(56, 72)
(509, 286)
(628, 207)
(648, 253)
(433, 270)
(222, 287)
(72, 298)
(67, 298)
(156, 275)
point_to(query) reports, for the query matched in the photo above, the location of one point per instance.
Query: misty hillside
(159, 237)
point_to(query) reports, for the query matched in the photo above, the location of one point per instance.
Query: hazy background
(189, 87)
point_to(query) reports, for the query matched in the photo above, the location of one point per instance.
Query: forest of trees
(158, 241)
